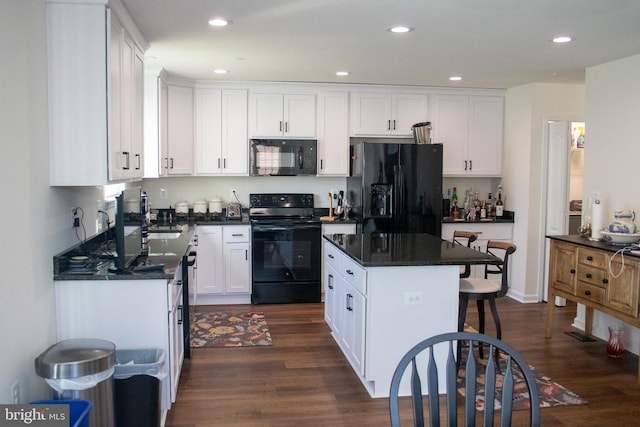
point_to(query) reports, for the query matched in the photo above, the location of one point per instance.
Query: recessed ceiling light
(400, 29)
(455, 78)
(342, 73)
(220, 71)
(219, 22)
(562, 39)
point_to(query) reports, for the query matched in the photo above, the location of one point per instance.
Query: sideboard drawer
(592, 275)
(591, 257)
(590, 292)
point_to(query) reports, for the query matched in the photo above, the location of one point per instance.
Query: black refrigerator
(395, 187)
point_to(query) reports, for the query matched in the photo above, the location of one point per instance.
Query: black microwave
(282, 157)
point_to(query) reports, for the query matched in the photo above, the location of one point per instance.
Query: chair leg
(496, 318)
(462, 313)
(480, 304)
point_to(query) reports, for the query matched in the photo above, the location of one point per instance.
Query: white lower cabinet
(133, 314)
(345, 305)
(224, 264)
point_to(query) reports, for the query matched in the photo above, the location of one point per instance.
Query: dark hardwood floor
(304, 380)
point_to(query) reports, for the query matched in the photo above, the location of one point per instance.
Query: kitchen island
(386, 292)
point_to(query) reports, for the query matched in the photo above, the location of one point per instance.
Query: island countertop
(406, 249)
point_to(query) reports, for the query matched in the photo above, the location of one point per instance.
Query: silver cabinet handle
(171, 163)
(139, 161)
(470, 165)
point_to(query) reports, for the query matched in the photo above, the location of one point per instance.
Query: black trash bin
(137, 378)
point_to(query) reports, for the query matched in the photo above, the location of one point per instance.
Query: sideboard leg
(549, 321)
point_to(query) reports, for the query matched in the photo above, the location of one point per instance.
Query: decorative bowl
(620, 238)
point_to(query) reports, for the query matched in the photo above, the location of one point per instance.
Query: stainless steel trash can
(82, 368)
(422, 132)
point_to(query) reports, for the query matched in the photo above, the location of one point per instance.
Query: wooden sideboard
(591, 273)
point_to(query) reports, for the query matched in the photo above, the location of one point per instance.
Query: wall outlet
(164, 194)
(15, 392)
(413, 298)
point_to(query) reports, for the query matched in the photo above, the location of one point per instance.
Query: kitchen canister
(215, 205)
(182, 207)
(200, 206)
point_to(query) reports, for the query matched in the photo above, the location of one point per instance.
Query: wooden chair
(445, 343)
(464, 238)
(481, 289)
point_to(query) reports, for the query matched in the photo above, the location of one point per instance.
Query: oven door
(286, 252)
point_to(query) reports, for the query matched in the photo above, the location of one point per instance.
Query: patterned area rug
(229, 330)
(551, 393)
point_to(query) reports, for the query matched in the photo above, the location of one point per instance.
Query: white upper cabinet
(95, 97)
(384, 114)
(287, 115)
(471, 129)
(176, 130)
(333, 133)
(221, 132)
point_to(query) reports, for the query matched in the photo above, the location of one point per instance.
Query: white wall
(612, 151)
(196, 188)
(527, 108)
(36, 219)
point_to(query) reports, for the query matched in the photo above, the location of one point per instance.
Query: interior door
(557, 214)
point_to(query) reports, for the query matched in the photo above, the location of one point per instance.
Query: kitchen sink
(163, 235)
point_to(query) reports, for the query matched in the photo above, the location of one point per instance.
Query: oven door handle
(281, 228)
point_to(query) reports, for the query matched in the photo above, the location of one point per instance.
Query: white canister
(200, 206)
(215, 205)
(182, 207)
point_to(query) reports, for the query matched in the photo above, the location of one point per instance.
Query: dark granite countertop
(100, 266)
(578, 239)
(399, 249)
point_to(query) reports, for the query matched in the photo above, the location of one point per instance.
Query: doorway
(564, 146)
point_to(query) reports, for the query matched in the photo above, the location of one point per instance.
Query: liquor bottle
(491, 207)
(483, 210)
(455, 213)
(499, 206)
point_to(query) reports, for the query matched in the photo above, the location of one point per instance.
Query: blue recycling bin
(78, 410)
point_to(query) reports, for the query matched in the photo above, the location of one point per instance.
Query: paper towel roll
(596, 221)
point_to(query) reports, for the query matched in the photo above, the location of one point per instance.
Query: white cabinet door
(450, 128)
(221, 132)
(407, 110)
(210, 272)
(471, 131)
(330, 299)
(237, 268)
(356, 321)
(486, 122)
(282, 115)
(371, 113)
(382, 113)
(235, 141)
(179, 130)
(126, 82)
(333, 133)
(176, 342)
(208, 114)
(299, 115)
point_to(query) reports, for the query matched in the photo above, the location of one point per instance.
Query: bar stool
(481, 289)
(464, 238)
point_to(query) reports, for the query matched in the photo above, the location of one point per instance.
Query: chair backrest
(464, 238)
(472, 369)
(502, 250)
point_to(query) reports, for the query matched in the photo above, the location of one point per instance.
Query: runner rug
(229, 330)
(550, 392)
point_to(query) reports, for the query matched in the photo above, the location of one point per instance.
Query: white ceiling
(490, 43)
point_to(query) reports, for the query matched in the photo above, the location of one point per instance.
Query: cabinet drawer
(590, 292)
(592, 275)
(592, 258)
(235, 234)
(354, 274)
(332, 256)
